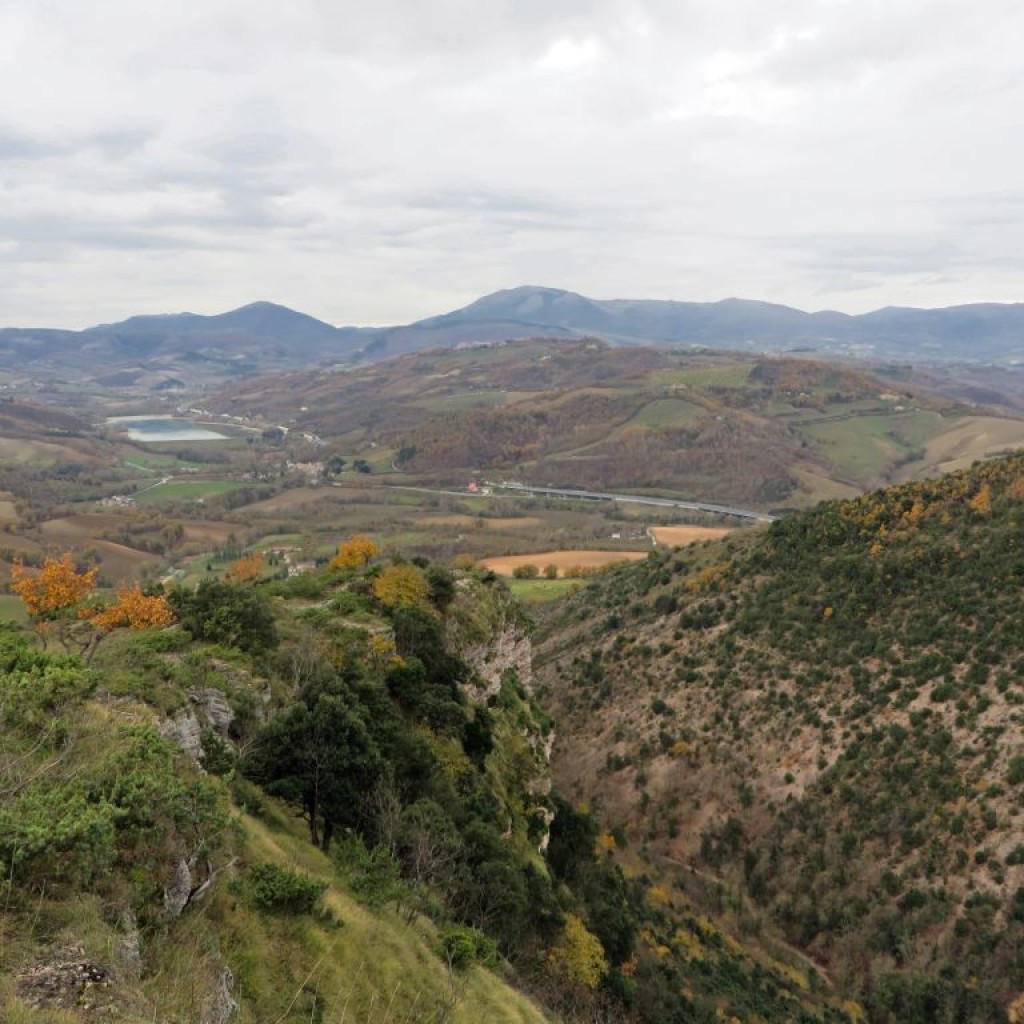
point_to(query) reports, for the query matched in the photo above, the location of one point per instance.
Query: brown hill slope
(825, 718)
(761, 431)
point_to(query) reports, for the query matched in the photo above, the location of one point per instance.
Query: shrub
(281, 890)
(461, 946)
(236, 616)
(373, 875)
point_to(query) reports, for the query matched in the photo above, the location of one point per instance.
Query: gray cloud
(379, 162)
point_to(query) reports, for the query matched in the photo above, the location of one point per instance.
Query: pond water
(163, 428)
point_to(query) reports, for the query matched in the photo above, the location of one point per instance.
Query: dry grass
(86, 525)
(122, 563)
(461, 521)
(291, 499)
(513, 523)
(377, 968)
(22, 451)
(974, 437)
(208, 530)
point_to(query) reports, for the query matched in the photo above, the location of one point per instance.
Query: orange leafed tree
(134, 610)
(58, 599)
(246, 569)
(56, 589)
(355, 552)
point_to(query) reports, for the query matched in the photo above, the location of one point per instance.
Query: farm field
(205, 531)
(77, 527)
(486, 522)
(667, 412)
(680, 536)
(120, 563)
(505, 565)
(184, 490)
(772, 434)
(19, 451)
(973, 438)
(859, 447)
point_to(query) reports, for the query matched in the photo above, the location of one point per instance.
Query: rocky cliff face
(508, 649)
(208, 710)
(489, 631)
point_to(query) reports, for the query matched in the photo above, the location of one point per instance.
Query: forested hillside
(319, 798)
(823, 725)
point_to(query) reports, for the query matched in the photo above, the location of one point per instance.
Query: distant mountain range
(982, 332)
(264, 336)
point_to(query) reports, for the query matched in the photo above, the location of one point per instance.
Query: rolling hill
(766, 432)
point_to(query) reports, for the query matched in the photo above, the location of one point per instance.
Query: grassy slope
(376, 967)
(61, 728)
(355, 965)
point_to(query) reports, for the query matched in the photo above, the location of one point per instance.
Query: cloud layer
(381, 162)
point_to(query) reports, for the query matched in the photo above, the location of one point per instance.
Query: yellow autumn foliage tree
(401, 584)
(355, 552)
(61, 601)
(982, 501)
(578, 956)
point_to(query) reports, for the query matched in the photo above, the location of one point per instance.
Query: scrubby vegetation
(818, 729)
(196, 822)
(802, 750)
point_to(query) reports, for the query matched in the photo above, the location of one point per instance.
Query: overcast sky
(384, 160)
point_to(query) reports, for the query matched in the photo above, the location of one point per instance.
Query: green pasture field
(279, 540)
(863, 446)
(734, 375)
(484, 398)
(153, 462)
(12, 609)
(542, 591)
(667, 412)
(184, 490)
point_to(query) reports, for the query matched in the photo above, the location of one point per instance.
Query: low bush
(281, 890)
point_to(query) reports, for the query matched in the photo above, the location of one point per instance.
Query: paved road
(634, 499)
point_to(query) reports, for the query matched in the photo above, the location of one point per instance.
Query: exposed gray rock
(509, 648)
(185, 730)
(221, 1006)
(548, 816)
(65, 981)
(178, 890)
(213, 707)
